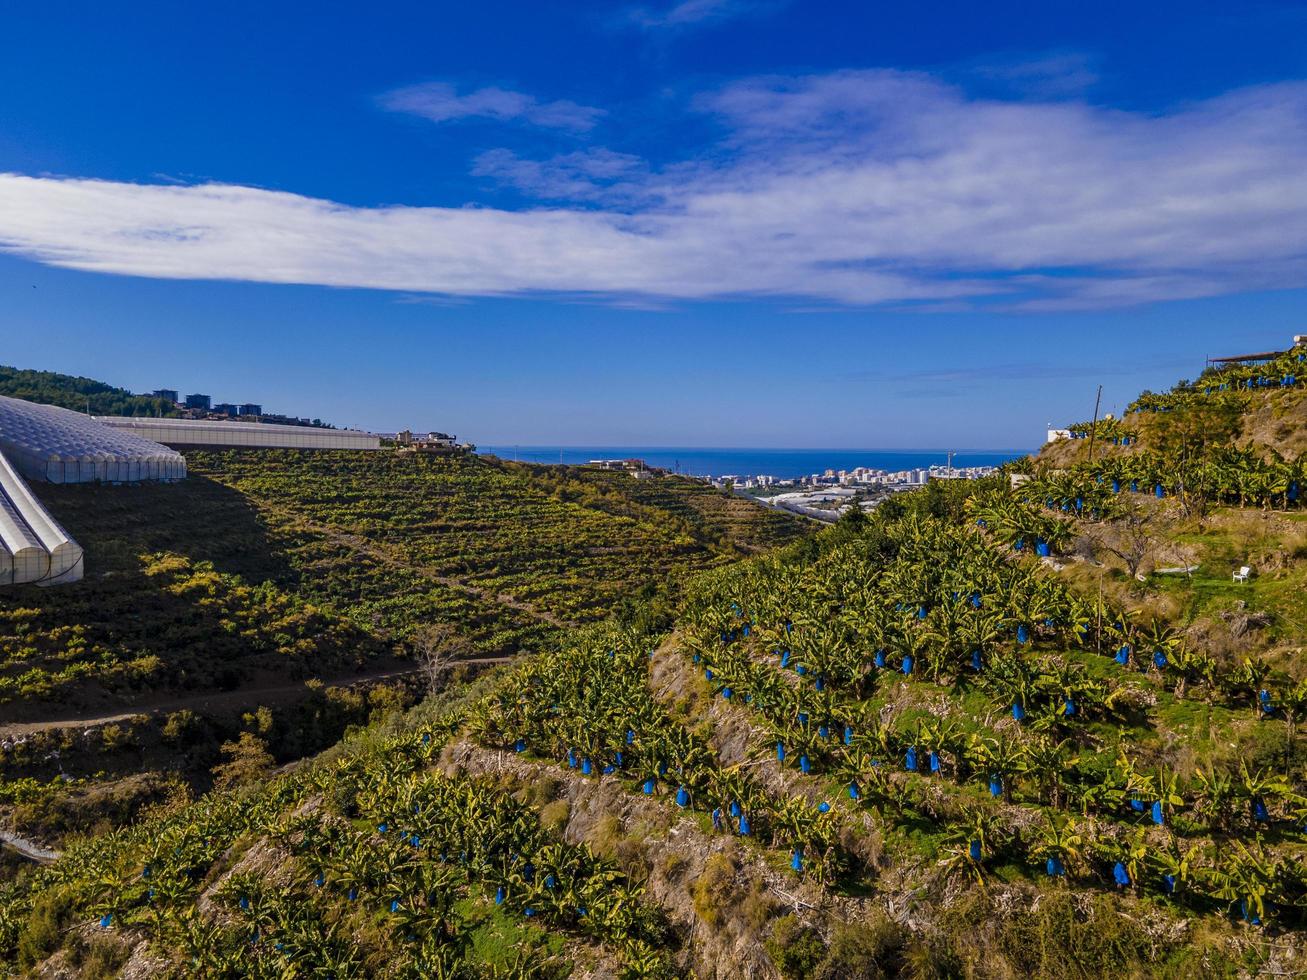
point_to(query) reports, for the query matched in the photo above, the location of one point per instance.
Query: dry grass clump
(714, 892)
(554, 816)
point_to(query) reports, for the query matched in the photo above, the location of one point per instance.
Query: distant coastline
(784, 464)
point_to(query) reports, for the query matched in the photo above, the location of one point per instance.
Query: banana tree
(1293, 705)
(1245, 878)
(1175, 867)
(1059, 843)
(974, 838)
(1259, 788)
(998, 761)
(1047, 759)
(1216, 797)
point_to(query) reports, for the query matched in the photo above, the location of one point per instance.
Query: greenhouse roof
(48, 443)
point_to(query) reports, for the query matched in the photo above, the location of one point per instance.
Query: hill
(310, 586)
(975, 733)
(80, 394)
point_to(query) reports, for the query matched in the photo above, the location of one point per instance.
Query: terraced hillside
(1255, 411)
(558, 543)
(989, 730)
(728, 521)
(900, 750)
(302, 584)
(306, 564)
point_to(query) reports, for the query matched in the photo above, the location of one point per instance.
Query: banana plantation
(916, 743)
(1042, 757)
(372, 865)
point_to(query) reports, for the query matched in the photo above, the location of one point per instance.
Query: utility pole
(1098, 633)
(1093, 428)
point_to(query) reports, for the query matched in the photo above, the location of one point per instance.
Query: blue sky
(709, 222)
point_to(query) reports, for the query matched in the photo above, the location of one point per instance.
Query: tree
(437, 646)
(248, 760)
(1133, 538)
(1293, 702)
(853, 521)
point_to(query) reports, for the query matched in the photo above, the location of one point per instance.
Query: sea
(785, 464)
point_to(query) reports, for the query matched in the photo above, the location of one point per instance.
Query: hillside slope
(981, 732)
(303, 578)
(79, 394)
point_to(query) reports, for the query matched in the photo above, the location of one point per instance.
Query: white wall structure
(33, 547)
(236, 435)
(60, 446)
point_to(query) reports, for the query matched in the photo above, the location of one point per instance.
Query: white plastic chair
(1242, 574)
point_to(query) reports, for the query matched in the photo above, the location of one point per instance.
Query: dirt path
(28, 849)
(212, 703)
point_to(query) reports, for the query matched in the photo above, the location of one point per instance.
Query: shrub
(100, 957)
(796, 949)
(45, 925)
(673, 865)
(248, 760)
(863, 951)
(757, 906)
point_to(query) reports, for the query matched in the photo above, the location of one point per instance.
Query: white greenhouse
(241, 435)
(33, 547)
(60, 446)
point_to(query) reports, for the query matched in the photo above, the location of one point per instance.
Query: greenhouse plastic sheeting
(54, 444)
(33, 547)
(238, 435)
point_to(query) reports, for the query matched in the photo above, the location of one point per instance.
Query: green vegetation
(506, 552)
(80, 394)
(264, 571)
(368, 862)
(982, 731)
(291, 565)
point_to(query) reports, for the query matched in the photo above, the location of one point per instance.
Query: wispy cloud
(969, 378)
(858, 187)
(691, 12)
(1054, 75)
(441, 102)
(584, 175)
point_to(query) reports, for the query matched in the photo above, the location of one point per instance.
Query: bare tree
(1130, 536)
(436, 647)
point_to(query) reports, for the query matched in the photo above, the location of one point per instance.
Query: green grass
(499, 939)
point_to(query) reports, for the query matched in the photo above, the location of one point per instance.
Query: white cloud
(441, 102)
(854, 187)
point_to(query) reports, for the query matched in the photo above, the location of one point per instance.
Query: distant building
(202, 402)
(439, 443)
(249, 408)
(1055, 434)
(224, 408)
(167, 394)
